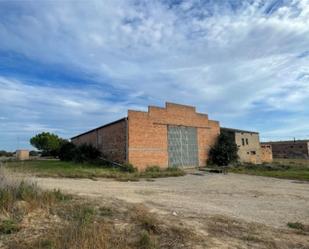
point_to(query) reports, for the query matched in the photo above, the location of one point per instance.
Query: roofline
(237, 130)
(183, 105)
(100, 127)
(288, 141)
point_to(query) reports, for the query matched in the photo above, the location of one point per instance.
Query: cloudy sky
(67, 66)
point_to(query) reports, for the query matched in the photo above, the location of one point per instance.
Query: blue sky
(68, 66)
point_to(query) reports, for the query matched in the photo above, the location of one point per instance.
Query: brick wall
(109, 139)
(147, 140)
(112, 141)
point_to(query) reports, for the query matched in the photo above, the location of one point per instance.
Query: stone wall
(249, 150)
(290, 149)
(266, 153)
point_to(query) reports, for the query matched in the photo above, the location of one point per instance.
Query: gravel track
(272, 202)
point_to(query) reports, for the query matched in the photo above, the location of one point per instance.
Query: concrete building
(22, 155)
(290, 149)
(248, 143)
(173, 136)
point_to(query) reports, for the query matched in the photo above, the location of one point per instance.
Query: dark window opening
(253, 152)
(243, 141)
(247, 142)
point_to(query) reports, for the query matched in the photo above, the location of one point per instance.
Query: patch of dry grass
(18, 194)
(253, 235)
(79, 224)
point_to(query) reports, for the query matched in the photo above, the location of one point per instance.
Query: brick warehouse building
(173, 136)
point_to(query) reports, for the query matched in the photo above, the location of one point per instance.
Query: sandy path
(270, 201)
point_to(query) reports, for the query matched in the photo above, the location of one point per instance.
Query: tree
(48, 143)
(6, 153)
(67, 152)
(224, 151)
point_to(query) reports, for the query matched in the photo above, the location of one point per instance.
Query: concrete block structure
(248, 143)
(290, 149)
(172, 136)
(22, 155)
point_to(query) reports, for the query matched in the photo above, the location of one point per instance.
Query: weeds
(128, 167)
(279, 169)
(91, 171)
(14, 190)
(8, 226)
(298, 226)
(147, 220)
(105, 211)
(84, 214)
(152, 169)
(145, 241)
(156, 172)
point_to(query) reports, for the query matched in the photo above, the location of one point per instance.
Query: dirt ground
(261, 200)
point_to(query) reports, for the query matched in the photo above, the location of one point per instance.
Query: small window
(243, 141)
(247, 142)
(292, 146)
(248, 153)
(253, 152)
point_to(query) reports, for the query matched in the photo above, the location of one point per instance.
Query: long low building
(290, 149)
(173, 136)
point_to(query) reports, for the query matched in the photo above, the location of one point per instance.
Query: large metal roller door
(182, 146)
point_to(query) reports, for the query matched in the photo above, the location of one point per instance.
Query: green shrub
(128, 167)
(86, 153)
(224, 152)
(34, 153)
(296, 225)
(173, 169)
(67, 151)
(153, 169)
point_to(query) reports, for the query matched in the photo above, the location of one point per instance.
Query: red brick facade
(142, 137)
(147, 140)
(110, 139)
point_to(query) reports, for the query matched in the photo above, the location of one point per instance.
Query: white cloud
(221, 58)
